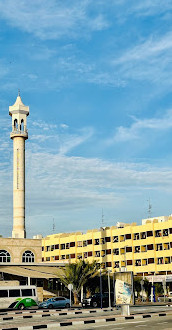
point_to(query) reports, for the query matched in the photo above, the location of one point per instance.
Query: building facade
(144, 249)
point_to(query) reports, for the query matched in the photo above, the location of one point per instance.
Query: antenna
(102, 218)
(53, 226)
(149, 209)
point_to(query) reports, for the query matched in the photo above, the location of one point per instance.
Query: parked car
(95, 300)
(56, 302)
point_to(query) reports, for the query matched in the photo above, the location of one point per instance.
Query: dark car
(95, 300)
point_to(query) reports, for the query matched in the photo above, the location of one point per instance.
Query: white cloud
(64, 126)
(141, 126)
(52, 20)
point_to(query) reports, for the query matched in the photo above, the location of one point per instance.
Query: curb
(80, 322)
(7, 316)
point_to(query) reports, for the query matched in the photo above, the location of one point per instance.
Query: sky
(97, 76)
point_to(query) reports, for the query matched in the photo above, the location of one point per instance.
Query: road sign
(70, 287)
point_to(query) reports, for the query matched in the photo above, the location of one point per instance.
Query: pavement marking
(141, 325)
(162, 322)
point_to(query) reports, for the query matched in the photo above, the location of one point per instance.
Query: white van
(18, 297)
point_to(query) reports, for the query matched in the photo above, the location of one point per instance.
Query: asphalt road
(152, 323)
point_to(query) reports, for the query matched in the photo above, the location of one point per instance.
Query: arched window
(22, 125)
(15, 125)
(4, 256)
(28, 256)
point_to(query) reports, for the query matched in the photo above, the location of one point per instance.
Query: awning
(32, 271)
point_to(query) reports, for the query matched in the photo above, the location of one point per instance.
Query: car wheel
(95, 304)
(21, 306)
(67, 305)
(50, 306)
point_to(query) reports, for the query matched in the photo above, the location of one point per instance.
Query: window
(167, 260)
(166, 246)
(56, 257)
(85, 254)
(150, 247)
(108, 251)
(136, 236)
(157, 233)
(26, 292)
(159, 247)
(150, 260)
(3, 293)
(128, 249)
(165, 232)
(79, 256)
(67, 245)
(116, 264)
(4, 256)
(108, 264)
(115, 239)
(47, 258)
(143, 235)
(97, 241)
(72, 244)
(97, 254)
(52, 247)
(14, 293)
(56, 247)
(170, 230)
(42, 259)
(42, 248)
(137, 249)
(79, 243)
(149, 233)
(138, 262)
(160, 261)
(102, 241)
(90, 253)
(89, 241)
(128, 236)
(22, 125)
(107, 239)
(28, 256)
(116, 252)
(84, 243)
(47, 248)
(129, 262)
(72, 255)
(62, 257)
(62, 246)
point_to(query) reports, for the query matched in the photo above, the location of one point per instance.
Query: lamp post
(109, 288)
(101, 302)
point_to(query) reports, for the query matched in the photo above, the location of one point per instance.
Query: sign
(70, 287)
(159, 278)
(123, 292)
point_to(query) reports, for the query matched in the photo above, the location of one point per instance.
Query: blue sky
(97, 78)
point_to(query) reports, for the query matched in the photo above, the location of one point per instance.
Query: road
(52, 317)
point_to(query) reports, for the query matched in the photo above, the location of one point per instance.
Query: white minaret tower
(19, 112)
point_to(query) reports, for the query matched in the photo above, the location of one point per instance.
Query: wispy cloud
(52, 20)
(141, 126)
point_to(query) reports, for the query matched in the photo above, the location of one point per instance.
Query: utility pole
(149, 209)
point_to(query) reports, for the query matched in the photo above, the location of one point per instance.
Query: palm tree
(78, 274)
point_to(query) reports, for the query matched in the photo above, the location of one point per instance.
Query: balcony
(15, 133)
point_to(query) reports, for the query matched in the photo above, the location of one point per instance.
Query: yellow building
(144, 249)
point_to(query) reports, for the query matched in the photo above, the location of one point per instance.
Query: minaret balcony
(15, 133)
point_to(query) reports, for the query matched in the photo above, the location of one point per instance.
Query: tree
(78, 274)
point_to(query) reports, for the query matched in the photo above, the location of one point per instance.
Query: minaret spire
(19, 112)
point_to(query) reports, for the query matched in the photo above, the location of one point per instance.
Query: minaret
(19, 112)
